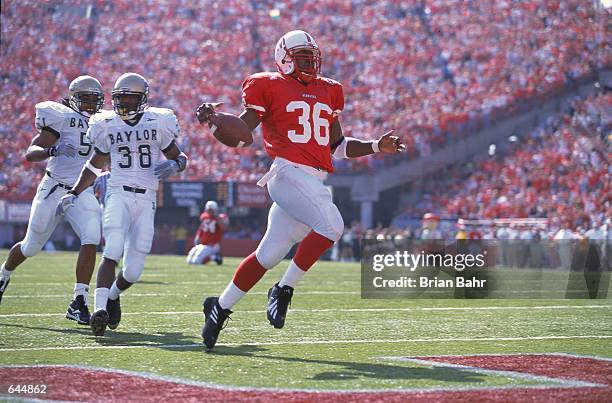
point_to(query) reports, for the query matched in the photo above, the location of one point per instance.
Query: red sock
(248, 273)
(310, 250)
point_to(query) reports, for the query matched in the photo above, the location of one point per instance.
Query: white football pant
(84, 217)
(301, 202)
(128, 228)
(199, 253)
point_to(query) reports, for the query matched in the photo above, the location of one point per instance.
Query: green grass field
(333, 339)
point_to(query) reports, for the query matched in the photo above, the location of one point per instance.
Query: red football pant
(310, 250)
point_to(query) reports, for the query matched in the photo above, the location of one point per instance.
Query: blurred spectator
(435, 70)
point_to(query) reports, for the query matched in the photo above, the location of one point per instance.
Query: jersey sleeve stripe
(165, 150)
(256, 107)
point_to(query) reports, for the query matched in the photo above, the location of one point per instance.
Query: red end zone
(89, 384)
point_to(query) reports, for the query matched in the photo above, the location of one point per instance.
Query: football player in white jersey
(62, 139)
(132, 138)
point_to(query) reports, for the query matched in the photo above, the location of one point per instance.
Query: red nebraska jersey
(209, 232)
(295, 117)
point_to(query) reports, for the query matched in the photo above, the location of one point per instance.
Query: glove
(99, 185)
(206, 110)
(166, 169)
(65, 203)
(65, 150)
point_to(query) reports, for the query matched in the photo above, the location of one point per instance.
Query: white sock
(5, 273)
(101, 298)
(114, 291)
(81, 289)
(292, 276)
(230, 296)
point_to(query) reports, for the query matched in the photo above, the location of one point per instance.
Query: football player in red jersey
(299, 111)
(208, 237)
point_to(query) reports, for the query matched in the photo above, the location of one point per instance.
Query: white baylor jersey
(134, 150)
(71, 127)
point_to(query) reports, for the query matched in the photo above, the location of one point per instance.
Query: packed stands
(435, 71)
(561, 171)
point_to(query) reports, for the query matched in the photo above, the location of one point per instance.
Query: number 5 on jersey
(318, 122)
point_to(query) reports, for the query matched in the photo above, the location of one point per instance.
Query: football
(230, 130)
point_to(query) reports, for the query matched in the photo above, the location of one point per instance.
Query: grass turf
(333, 339)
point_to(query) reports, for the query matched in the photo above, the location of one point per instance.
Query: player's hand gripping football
(206, 110)
(390, 144)
(65, 203)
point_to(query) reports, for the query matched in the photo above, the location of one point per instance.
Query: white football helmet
(212, 205)
(298, 54)
(130, 95)
(85, 95)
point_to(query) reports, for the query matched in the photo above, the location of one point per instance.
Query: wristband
(96, 171)
(375, 147)
(181, 162)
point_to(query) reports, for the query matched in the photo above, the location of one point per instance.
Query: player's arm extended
(91, 170)
(41, 147)
(349, 147)
(207, 109)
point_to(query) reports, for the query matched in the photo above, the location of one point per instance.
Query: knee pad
(30, 247)
(133, 265)
(91, 233)
(114, 245)
(335, 225)
(270, 253)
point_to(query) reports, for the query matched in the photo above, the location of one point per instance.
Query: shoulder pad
(264, 75)
(330, 81)
(161, 112)
(51, 115)
(102, 116)
(52, 107)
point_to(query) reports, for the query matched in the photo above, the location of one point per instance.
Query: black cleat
(98, 322)
(113, 307)
(214, 318)
(218, 258)
(78, 311)
(279, 299)
(3, 285)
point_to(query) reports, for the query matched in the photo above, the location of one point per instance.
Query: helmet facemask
(129, 104)
(306, 62)
(88, 103)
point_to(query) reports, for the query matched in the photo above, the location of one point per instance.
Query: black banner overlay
(509, 269)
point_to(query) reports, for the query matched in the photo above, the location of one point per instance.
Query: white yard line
(311, 342)
(174, 294)
(258, 311)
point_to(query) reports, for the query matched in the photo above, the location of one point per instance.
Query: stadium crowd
(433, 70)
(561, 171)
